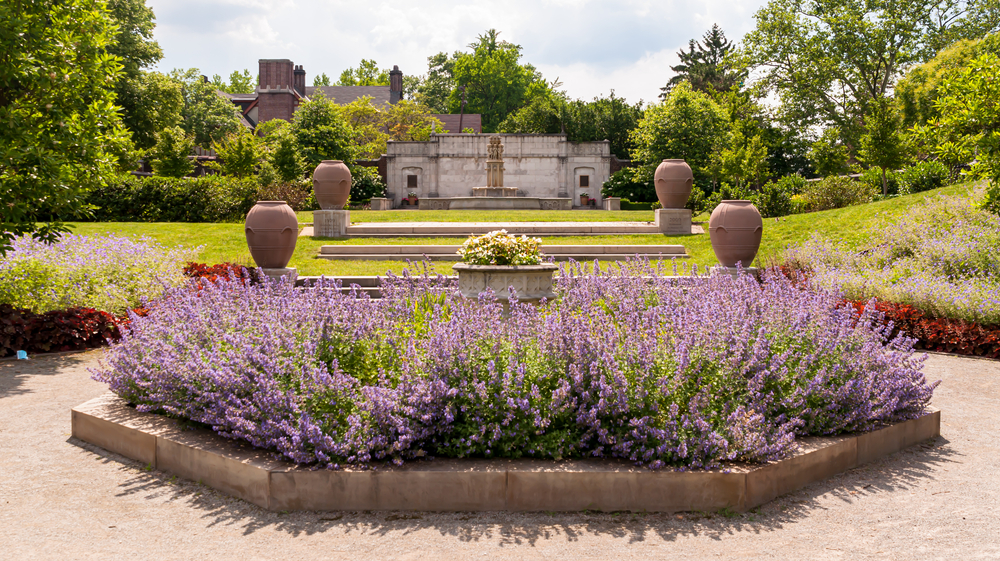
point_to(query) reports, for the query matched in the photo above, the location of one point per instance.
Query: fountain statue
(494, 173)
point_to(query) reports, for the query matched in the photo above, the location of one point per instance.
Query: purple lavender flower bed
(622, 365)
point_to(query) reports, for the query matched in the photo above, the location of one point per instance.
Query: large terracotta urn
(272, 230)
(332, 184)
(735, 229)
(673, 181)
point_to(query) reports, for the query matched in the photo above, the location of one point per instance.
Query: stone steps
(449, 252)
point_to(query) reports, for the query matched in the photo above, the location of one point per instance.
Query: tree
(321, 80)
(882, 143)
(239, 153)
(60, 125)
(828, 154)
(284, 154)
(169, 157)
(373, 126)
(688, 125)
(207, 116)
(605, 118)
(828, 60)
(970, 114)
(155, 102)
(495, 82)
(239, 82)
(137, 92)
(436, 87)
(321, 132)
(366, 74)
(743, 161)
(917, 91)
(704, 65)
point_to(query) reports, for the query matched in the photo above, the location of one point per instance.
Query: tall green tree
(704, 65)
(61, 128)
(366, 74)
(148, 103)
(435, 88)
(828, 154)
(321, 132)
(169, 157)
(828, 60)
(688, 125)
(321, 80)
(239, 82)
(882, 144)
(206, 115)
(239, 153)
(605, 118)
(496, 83)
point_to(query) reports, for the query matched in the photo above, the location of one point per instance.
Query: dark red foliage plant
(60, 330)
(212, 273)
(940, 334)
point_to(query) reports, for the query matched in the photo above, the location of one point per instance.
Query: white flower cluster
(500, 248)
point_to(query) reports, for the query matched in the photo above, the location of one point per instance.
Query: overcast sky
(591, 46)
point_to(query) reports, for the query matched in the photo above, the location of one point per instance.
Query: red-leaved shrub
(940, 334)
(212, 273)
(60, 330)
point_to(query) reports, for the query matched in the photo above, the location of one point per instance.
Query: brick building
(282, 86)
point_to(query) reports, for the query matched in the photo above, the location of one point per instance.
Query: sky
(592, 47)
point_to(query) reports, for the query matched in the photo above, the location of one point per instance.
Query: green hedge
(213, 198)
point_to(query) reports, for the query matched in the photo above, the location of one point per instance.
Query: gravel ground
(61, 498)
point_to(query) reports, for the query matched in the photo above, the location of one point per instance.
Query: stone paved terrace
(461, 229)
(63, 499)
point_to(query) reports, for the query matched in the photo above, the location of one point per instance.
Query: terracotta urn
(332, 184)
(673, 181)
(272, 230)
(735, 229)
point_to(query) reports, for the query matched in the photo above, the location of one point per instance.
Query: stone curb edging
(251, 474)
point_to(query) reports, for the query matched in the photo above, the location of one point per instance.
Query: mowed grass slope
(856, 226)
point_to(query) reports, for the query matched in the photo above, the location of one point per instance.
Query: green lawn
(226, 242)
(492, 216)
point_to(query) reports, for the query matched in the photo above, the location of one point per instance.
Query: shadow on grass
(901, 472)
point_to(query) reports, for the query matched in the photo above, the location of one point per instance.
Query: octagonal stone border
(243, 471)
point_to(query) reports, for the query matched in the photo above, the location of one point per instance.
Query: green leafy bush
(634, 184)
(924, 176)
(792, 184)
(872, 177)
(365, 184)
(169, 157)
(837, 191)
(991, 199)
(773, 200)
(213, 198)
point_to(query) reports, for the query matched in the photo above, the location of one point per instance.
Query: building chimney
(276, 89)
(300, 80)
(395, 84)
(275, 74)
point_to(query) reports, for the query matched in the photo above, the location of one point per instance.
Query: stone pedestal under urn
(530, 282)
(332, 185)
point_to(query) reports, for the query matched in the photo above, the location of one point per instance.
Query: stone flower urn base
(530, 282)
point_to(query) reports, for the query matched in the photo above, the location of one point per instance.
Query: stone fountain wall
(538, 165)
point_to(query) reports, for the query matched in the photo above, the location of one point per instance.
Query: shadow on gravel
(14, 373)
(906, 471)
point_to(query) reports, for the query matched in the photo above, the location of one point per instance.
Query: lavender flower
(627, 363)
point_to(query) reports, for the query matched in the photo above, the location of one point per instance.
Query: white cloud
(591, 45)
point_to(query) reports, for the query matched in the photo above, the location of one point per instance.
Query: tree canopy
(239, 82)
(688, 125)
(496, 83)
(704, 65)
(828, 60)
(206, 115)
(366, 74)
(321, 132)
(61, 128)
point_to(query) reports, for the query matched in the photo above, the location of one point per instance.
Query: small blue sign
(22, 355)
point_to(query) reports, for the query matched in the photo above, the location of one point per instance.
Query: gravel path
(63, 499)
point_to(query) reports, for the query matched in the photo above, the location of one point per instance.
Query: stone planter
(332, 184)
(735, 229)
(272, 230)
(673, 181)
(530, 282)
